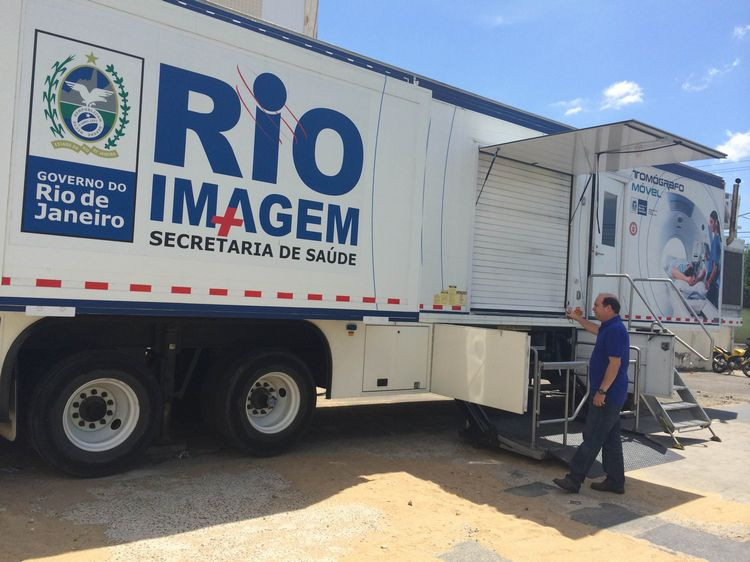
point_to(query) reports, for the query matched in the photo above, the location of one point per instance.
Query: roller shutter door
(520, 251)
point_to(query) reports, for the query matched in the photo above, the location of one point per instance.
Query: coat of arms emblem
(87, 106)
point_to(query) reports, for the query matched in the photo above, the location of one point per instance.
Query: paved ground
(387, 481)
(715, 390)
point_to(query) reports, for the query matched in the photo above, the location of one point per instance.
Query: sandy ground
(386, 481)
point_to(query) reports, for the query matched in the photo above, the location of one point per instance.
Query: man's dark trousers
(601, 432)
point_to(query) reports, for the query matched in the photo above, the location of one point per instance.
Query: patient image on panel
(685, 241)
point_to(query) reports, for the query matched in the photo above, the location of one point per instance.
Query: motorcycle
(738, 359)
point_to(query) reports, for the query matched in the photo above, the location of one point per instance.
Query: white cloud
(697, 85)
(621, 94)
(496, 21)
(571, 107)
(737, 146)
(492, 21)
(740, 31)
(510, 13)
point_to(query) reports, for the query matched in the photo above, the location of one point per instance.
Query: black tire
(264, 402)
(746, 367)
(112, 394)
(719, 364)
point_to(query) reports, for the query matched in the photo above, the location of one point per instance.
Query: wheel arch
(7, 371)
(49, 337)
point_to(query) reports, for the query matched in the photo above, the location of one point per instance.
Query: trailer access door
(520, 250)
(608, 233)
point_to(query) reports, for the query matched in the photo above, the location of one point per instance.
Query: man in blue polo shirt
(608, 381)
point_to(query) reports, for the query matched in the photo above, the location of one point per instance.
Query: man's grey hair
(610, 300)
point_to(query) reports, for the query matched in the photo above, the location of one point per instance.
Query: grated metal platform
(639, 450)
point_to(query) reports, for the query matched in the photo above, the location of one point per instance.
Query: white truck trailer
(203, 208)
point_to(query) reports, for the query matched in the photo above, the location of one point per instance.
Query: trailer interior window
(609, 219)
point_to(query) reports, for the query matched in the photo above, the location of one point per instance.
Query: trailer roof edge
(441, 91)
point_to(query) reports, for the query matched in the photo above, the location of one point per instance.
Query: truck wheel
(94, 412)
(265, 402)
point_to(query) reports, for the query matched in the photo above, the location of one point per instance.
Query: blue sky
(682, 66)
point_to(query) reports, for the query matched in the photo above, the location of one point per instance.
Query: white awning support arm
(580, 199)
(487, 175)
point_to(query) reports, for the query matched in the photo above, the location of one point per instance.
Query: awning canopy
(627, 144)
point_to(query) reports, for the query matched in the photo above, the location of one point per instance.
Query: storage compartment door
(657, 365)
(656, 360)
(396, 358)
(480, 365)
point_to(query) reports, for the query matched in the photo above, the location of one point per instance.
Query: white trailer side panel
(9, 31)
(356, 243)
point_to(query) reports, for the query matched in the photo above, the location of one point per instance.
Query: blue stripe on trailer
(82, 307)
(693, 174)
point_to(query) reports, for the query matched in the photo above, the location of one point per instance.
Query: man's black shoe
(567, 484)
(606, 485)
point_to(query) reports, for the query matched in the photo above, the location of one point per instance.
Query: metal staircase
(674, 415)
(532, 435)
(683, 414)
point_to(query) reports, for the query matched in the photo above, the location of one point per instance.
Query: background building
(300, 16)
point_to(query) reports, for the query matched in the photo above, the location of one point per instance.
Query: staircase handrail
(671, 284)
(655, 317)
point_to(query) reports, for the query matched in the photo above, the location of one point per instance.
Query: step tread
(691, 423)
(678, 405)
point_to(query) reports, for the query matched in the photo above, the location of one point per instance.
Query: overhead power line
(712, 164)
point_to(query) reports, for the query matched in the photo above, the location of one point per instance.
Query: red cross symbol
(227, 221)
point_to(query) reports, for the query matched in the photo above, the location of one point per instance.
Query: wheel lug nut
(81, 424)
(83, 395)
(92, 425)
(104, 394)
(102, 422)
(109, 412)
(110, 402)
(75, 416)
(76, 404)
(93, 391)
